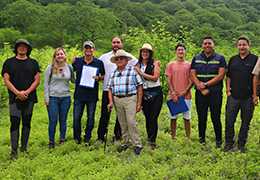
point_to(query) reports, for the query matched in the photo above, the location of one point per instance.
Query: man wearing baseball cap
(21, 76)
(125, 92)
(85, 95)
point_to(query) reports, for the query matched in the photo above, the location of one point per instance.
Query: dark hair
(118, 38)
(244, 38)
(149, 68)
(29, 48)
(180, 45)
(208, 37)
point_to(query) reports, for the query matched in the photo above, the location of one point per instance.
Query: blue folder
(177, 107)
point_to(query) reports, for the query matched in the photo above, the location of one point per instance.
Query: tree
(20, 15)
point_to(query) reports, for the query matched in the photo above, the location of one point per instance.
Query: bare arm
(156, 73)
(35, 84)
(219, 77)
(9, 85)
(255, 98)
(228, 86)
(139, 98)
(110, 100)
(200, 86)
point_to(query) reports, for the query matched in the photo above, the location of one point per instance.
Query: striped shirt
(125, 82)
(208, 67)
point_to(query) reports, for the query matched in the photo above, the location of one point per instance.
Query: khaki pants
(126, 110)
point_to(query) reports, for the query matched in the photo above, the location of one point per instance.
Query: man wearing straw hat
(109, 68)
(125, 92)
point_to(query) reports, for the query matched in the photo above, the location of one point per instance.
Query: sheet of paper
(87, 74)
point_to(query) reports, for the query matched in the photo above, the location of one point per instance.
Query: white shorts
(187, 114)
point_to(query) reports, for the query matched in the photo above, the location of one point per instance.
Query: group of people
(131, 85)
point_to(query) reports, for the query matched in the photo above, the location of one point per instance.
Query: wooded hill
(59, 22)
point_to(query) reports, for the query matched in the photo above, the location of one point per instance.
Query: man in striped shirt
(125, 92)
(207, 73)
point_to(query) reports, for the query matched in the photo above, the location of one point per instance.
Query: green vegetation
(59, 22)
(180, 159)
(52, 23)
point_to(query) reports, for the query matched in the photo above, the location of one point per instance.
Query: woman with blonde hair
(57, 94)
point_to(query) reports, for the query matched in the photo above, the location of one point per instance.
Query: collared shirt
(124, 82)
(111, 67)
(241, 77)
(84, 93)
(208, 67)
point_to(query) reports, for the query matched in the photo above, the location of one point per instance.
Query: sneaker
(202, 141)
(218, 144)
(152, 145)
(13, 155)
(77, 141)
(23, 150)
(87, 143)
(242, 149)
(122, 148)
(228, 148)
(51, 145)
(137, 150)
(62, 141)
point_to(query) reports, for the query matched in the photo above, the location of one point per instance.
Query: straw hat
(120, 53)
(147, 46)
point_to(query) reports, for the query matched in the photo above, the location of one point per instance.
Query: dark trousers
(213, 101)
(77, 115)
(246, 108)
(151, 110)
(14, 131)
(104, 120)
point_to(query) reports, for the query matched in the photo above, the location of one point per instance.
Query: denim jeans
(58, 109)
(77, 115)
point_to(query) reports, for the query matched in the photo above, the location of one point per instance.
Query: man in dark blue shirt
(86, 95)
(241, 94)
(207, 73)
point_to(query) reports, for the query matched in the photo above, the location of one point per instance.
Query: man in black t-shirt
(21, 76)
(241, 94)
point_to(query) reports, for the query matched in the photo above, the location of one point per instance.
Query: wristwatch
(205, 84)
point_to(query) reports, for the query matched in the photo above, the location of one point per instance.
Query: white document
(87, 75)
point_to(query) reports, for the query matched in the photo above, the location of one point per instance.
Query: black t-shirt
(241, 77)
(85, 93)
(22, 73)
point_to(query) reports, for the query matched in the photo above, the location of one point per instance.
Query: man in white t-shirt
(109, 68)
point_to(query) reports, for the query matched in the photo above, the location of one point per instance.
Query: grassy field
(179, 159)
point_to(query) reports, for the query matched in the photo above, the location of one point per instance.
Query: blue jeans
(77, 115)
(58, 109)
